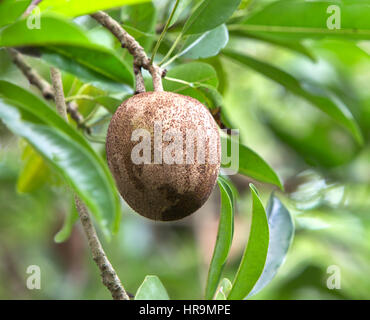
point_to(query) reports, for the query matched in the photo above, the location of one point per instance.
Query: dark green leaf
(224, 238)
(95, 63)
(29, 117)
(254, 257)
(210, 14)
(151, 289)
(321, 99)
(281, 235)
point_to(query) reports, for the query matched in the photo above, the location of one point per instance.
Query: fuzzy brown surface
(163, 191)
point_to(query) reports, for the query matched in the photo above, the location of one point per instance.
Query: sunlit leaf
(10, 10)
(73, 8)
(53, 30)
(297, 19)
(34, 172)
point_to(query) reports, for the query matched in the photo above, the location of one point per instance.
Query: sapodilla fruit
(164, 152)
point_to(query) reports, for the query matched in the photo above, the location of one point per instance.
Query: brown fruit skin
(162, 192)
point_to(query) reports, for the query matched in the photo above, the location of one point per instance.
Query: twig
(56, 79)
(163, 33)
(108, 274)
(139, 80)
(141, 60)
(44, 86)
(31, 74)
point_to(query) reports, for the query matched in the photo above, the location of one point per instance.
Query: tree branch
(108, 274)
(56, 79)
(141, 60)
(44, 86)
(31, 74)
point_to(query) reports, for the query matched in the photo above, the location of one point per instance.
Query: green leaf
(291, 45)
(151, 289)
(252, 165)
(205, 45)
(210, 14)
(191, 75)
(254, 257)
(53, 30)
(34, 172)
(64, 148)
(224, 289)
(308, 19)
(71, 218)
(142, 17)
(95, 63)
(11, 10)
(224, 238)
(321, 99)
(320, 145)
(281, 229)
(74, 8)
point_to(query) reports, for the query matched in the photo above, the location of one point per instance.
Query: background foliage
(298, 93)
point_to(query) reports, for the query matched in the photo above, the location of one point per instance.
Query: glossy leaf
(205, 45)
(252, 165)
(310, 19)
(281, 229)
(224, 238)
(53, 30)
(210, 14)
(74, 8)
(151, 289)
(29, 117)
(321, 99)
(254, 257)
(11, 10)
(95, 63)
